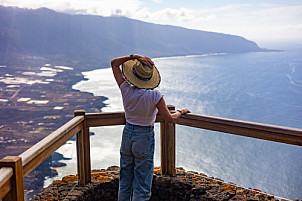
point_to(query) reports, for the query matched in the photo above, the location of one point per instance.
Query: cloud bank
(253, 21)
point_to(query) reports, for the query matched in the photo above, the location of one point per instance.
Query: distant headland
(43, 35)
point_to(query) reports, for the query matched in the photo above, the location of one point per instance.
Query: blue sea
(264, 87)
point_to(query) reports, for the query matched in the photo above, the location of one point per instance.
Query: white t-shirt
(140, 104)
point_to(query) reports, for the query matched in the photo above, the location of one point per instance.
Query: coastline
(212, 163)
(41, 100)
(104, 150)
(190, 56)
(109, 135)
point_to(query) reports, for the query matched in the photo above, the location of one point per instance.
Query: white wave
(101, 82)
(189, 56)
(291, 76)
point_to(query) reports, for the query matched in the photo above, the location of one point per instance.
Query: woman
(141, 104)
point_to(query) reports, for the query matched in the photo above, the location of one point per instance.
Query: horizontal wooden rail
(105, 119)
(32, 157)
(81, 123)
(244, 128)
(109, 119)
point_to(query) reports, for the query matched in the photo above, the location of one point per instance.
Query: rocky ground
(186, 185)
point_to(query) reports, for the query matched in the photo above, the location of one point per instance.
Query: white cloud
(255, 23)
(268, 5)
(93, 7)
(181, 14)
(252, 21)
(297, 27)
(279, 13)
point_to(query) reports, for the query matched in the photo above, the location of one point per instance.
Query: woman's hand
(145, 60)
(184, 111)
(163, 110)
(115, 64)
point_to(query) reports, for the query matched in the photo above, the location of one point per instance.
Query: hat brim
(127, 70)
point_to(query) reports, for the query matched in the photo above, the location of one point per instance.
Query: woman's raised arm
(115, 64)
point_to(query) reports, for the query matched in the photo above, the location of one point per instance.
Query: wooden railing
(14, 168)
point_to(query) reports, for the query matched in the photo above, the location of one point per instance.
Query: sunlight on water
(105, 143)
(259, 87)
(101, 83)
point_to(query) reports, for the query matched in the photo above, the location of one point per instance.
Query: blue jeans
(136, 162)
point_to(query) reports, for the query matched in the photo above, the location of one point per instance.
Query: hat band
(140, 77)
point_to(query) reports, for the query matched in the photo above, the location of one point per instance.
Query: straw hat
(139, 75)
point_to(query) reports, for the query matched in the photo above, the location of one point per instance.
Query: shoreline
(41, 99)
(83, 79)
(108, 147)
(211, 163)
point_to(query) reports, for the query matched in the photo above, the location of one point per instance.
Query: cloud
(182, 16)
(173, 14)
(279, 13)
(295, 27)
(93, 7)
(252, 20)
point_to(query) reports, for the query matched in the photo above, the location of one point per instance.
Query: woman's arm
(163, 110)
(115, 64)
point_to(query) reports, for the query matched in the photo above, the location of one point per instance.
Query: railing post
(167, 133)
(83, 152)
(17, 192)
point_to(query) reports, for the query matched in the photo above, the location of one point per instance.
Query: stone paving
(186, 185)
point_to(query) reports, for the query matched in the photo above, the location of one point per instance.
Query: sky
(265, 21)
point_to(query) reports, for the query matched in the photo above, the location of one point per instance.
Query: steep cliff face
(43, 32)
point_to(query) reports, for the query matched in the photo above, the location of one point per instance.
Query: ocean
(264, 87)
